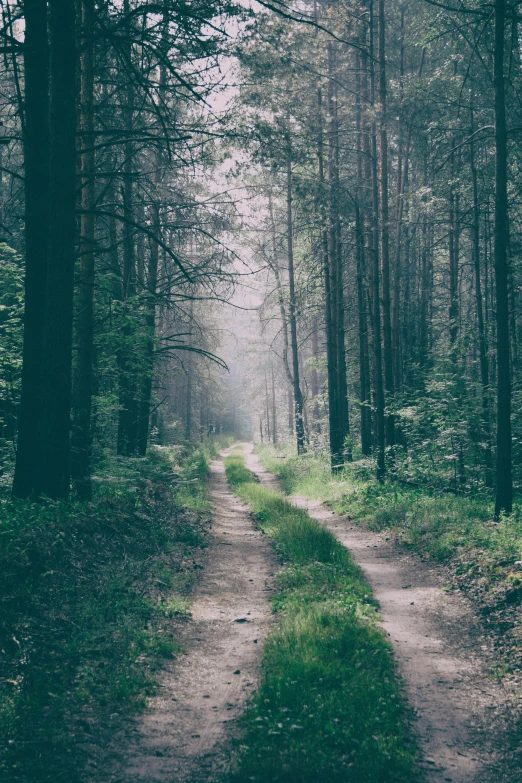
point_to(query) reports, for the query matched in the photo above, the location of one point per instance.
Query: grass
(329, 706)
(484, 557)
(89, 597)
(440, 525)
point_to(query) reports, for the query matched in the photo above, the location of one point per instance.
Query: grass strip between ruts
(329, 705)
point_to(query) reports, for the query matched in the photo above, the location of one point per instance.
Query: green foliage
(90, 596)
(11, 337)
(329, 706)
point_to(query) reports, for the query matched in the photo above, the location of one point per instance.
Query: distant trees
(404, 230)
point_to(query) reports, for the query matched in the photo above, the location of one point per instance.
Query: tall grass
(329, 706)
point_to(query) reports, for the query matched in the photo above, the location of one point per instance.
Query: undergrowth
(88, 598)
(329, 706)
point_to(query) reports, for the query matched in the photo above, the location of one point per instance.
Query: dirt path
(182, 736)
(441, 653)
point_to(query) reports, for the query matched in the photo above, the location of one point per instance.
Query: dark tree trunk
(504, 491)
(83, 376)
(364, 355)
(36, 157)
(128, 382)
(331, 354)
(188, 407)
(57, 353)
(376, 298)
(385, 228)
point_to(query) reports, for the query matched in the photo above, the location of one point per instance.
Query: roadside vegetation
(329, 706)
(484, 556)
(91, 597)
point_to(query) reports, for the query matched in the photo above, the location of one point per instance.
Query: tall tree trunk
(83, 376)
(36, 159)
(331, 354)
(57, 352)
(504, 490)
(364, 356)
(128, 414)
(336, 258)
(454, 253)
(298, 398)
(188, 408)
(376, 298)
(385, 226)
(315, 377)
(483, 351)
(402, 181)
(150, 325)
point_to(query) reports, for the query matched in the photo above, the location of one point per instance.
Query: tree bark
(385, 227)
(36, 158)
(504, 488)
(298, 398)
(57, 353)
(364, 356)
(482, 340)
(83, 376)
(274, 410)
(331, 354)
(128, 392)
(380, 402)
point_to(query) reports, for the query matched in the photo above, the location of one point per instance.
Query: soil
(186, 731)
(460, 711)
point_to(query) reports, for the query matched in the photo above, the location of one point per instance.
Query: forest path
(182, 735)
(441, 652)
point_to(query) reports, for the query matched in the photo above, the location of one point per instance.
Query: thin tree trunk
(298, 398)
(36, 158)
(385, 227)
(188, 409)
(331, 354)
(57, 353)
(128, 413)
(377, 338)
(267, 407)
(274, 410)
(83, 376)
(315, 377)
(504, 489)
(483, 351)
(364, 358)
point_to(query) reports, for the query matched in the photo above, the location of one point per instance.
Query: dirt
(441, 650)
(184, 734)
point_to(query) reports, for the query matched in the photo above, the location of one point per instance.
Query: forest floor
(464, 715)
(189, 729)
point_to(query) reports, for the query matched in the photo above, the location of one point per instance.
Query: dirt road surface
(184, 733)
(440, 649)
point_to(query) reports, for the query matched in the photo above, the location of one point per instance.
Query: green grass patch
(329, 706)
(442, 525)
(89, 599)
